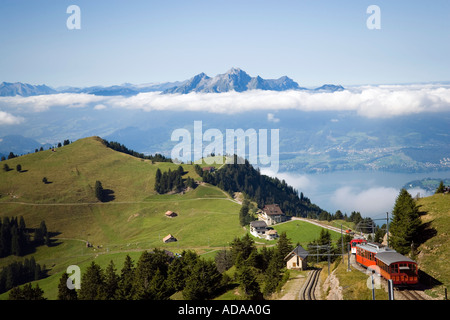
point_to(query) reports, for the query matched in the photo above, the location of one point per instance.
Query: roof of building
(272, 210)
(389, 257)
(273, 231)
(170, 213)
(373, 247)
(298, 251)
(258, 224)
(169, 236)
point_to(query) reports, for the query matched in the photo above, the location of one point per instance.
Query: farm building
(271, 234)
(271, 214)
(258, 228)
(209, 169)
(169, 238)
(297, 259)
(170, 214)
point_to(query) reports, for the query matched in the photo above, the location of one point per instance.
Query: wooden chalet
(169, 238)
(297, 259)
(170, 214)
(271, 214)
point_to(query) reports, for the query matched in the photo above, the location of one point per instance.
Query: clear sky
(313, 42)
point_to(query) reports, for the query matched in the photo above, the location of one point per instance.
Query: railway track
(308, 290)
(409, 294)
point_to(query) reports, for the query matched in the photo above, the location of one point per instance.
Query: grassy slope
(435, 252)
(133, 221)
(303, 232)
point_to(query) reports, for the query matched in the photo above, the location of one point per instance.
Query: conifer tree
(158, 180)
(99, 193)
(248, 281)
(405, 223)
(284, 247)
(111, 283)
(125, 289)
(64, 293)
(92, 283)
(441, 187)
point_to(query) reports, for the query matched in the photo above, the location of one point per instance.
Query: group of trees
(156, 276)
(259, 273)
(172, 181)
(15, 237)
(323, 248)
(11, 155)
(18, 273)
(6, 167)
(121, 148)
(27, 292)
(259, 188)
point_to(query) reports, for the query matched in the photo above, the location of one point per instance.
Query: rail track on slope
(308, 290)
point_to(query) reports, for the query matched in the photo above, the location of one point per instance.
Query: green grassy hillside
(132, 221)
(434, 253)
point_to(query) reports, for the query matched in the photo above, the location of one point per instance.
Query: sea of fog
(372, 193)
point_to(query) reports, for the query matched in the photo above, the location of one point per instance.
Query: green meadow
(132, 221)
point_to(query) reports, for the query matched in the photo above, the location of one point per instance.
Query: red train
(387, 262)
(354, 242)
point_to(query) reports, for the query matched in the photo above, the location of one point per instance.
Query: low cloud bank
(382, 101)
(8, 119)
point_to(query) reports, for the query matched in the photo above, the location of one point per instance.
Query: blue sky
(313, 42)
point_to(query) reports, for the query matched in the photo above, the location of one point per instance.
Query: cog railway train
(390, 264)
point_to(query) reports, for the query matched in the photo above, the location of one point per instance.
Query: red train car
(390, 264)
(354, 242)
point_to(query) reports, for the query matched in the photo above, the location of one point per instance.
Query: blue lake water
(372, 193)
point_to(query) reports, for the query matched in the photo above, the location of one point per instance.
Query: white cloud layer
(8, 119)
(369, 101)
(369, 202)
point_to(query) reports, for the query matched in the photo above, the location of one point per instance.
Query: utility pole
(342, 244)
(328, 251)
(387, 227)
(373, 286)
(348, 255)
(391, 289)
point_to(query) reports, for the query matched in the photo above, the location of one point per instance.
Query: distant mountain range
(8, 89)
(19, 145)
(234, 79)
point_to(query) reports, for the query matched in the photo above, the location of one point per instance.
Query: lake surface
(372, 193)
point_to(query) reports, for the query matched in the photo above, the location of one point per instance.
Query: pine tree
(16, 248)
(125, 290)
(203, 282)
(111, 283)
(284, 247)
(99, 193)
(441, 187)
(272, 276)
(176, 275)
(405, 223)
(64, 293)
(248, 281)
(243, 214)
(158, 180)
(92, 283)
(142, 277)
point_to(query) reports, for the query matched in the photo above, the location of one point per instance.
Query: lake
(372, 193)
